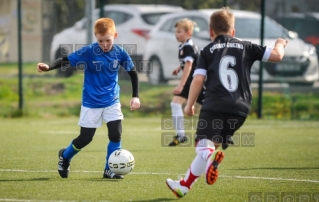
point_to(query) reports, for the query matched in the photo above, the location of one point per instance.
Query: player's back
(228, 61)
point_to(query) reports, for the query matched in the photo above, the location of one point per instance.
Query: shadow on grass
(133, 150)
(21, 180)
(155, 200)
(278, 168)
(103, 179)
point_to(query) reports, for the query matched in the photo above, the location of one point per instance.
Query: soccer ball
(121, 162)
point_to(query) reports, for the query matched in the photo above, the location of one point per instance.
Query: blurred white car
(305, 24)
(133, 23)
(300, 64)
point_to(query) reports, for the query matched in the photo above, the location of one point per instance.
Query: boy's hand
(176, 71)
(178, 89)
(189, 110)
(42, 67)
(281, 41)
(135, 103)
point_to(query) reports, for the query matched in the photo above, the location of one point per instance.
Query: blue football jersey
(100, 88)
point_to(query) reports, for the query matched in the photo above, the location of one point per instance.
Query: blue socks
(111, 147)
(70, 151)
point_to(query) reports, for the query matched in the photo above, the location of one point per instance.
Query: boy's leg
(66, 154)
(114, 132)
(229, 124)
(196, 169)
(181, 187)
(209, 138)
(85, 137)
(90, 119)
(178, 120)
(213, 162)
(234, 122)
(204, 150)
(113, 117)
(207, 151)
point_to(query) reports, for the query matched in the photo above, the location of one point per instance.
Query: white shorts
(92, 117)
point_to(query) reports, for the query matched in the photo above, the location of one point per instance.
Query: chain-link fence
(49, 25)
(44, 19)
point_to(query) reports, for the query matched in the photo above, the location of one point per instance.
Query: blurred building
(31, 30)
(41, 19)
(280, 7)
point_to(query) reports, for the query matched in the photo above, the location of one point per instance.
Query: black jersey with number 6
(227, 62)
(188, 52)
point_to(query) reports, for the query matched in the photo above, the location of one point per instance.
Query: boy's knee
(115, 130)
(85, 137)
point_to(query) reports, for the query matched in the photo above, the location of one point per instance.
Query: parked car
(133, 23)
(305, 24)
(300, 64)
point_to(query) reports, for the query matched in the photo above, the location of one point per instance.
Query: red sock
(188, 181)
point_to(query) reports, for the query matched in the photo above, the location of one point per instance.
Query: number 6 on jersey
(228, 76)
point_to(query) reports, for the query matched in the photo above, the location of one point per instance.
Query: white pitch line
(31, 200)
(35, 200)
(154, 173)
(269, 178)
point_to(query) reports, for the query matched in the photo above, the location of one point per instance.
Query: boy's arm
(176, 71)
(278, 52)
(58, 63)
(195, 89)
(134, 80)
(187, 69)
(135, 101)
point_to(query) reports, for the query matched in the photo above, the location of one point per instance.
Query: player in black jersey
(224, 65)
(188, 56)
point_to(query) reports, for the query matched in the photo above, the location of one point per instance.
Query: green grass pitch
(281, 160)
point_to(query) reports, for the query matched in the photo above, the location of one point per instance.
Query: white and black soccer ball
(121, 162)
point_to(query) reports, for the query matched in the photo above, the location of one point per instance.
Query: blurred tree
(67, 13)
(200, 4)
(253, 5)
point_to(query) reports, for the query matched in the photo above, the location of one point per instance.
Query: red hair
(104, 26)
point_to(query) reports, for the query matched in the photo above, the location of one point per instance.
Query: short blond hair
(222, 21)
(104, 26)
(186, 24)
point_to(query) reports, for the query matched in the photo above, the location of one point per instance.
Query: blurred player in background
(188, 56)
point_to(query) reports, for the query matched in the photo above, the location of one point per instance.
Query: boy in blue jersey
(100, 96)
